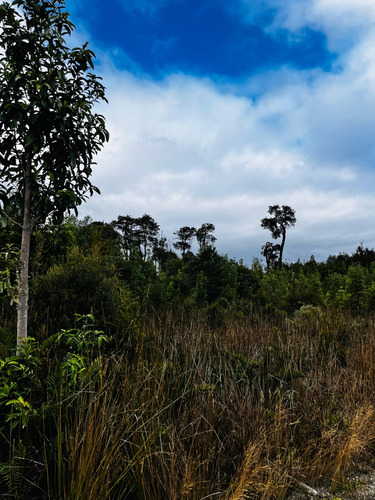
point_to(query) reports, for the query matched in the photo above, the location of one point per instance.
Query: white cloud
(344, 22)
(188, 151)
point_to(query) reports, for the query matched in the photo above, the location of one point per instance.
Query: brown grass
(240, 412)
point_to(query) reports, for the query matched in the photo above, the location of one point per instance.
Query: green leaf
(29, 140)
(3, 220)
(11, 402)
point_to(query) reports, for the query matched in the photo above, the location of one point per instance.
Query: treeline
(189, 356)
(83, 266)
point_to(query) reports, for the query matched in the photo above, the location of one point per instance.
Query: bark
(23, 275)
(282, 248)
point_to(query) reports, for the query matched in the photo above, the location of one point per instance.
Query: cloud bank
(189, 150)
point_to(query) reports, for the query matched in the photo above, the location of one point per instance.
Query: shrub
(83, 284)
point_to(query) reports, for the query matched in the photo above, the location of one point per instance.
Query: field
(247, 410)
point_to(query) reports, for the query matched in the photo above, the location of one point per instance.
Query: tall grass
(244, 411)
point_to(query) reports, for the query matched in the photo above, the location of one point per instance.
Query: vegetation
(49, 132)
(153, 376)
(147, 375)
(282, 217)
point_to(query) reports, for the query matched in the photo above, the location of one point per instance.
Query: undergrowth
(242, 411)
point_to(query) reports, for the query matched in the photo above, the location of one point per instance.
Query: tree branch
(10, 218)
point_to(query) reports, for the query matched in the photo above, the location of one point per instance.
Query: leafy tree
(336, 264)
(204, 235)
(355, 285)
(363, 256)
(85, 282)
(306, 290)
(275, 292)
(248, 281)
(138, 234)
(185, 236)
(282, 218)
(271, 252)
(216, 273)
(49, 132)
(333, 284)
(126, 225)
(147, 230)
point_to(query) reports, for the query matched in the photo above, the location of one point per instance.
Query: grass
(242, 411)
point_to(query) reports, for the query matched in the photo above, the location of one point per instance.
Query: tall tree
(138, 234)
(204, 235)
(126, 225)
(146, 233)
(185, 236)
(161, 252)
(282, 218)
(49, 132)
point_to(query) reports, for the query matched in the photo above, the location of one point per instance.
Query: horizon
(218, 110)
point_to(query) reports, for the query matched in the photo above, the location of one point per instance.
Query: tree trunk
(282, 248)
(23, 277)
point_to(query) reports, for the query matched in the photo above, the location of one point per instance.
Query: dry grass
(239, 412)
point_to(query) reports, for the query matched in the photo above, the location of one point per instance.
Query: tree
(138, 234)
(282, 218)
(161, 253)
(49, 132)
(363, 256)
(271, 252)
(146, 233)
(204, 236)
(185, 235)
(126, 225)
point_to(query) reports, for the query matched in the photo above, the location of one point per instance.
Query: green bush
(83, 284)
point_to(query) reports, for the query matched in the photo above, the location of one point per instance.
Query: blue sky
(218, 109)
(197, 37)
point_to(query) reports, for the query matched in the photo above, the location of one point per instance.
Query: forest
(154, 374)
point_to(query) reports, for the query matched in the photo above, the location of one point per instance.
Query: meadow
(246, 410)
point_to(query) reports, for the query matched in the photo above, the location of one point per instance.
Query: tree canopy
(282, 218)
(184, 236)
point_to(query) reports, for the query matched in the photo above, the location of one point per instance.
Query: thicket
(159, 377)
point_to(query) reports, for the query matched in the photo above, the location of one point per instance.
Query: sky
(218, 109)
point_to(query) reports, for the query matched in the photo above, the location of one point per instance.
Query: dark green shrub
(83, 284)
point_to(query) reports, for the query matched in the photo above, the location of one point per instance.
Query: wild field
(187, 410)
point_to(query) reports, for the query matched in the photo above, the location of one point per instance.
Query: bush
(83, 284)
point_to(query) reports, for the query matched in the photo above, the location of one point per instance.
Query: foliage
(282, 218)
(196, 357)
(46, 97)
(21, 375)
(204, 235)
(355, 285)
(181, 418)
(184, 237)
(85, 283)
(271, 253)
(138, 235)
(8, 271)
(49, 131)
(33, 383)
